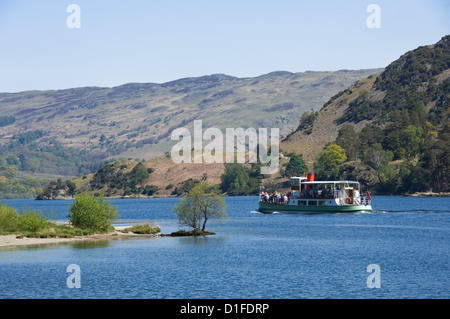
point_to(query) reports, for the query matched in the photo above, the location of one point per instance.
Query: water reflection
(89, 244)
(201, 240)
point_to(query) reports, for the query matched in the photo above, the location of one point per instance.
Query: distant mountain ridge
(71, 131)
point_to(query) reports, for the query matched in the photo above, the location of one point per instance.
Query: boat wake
(269, 213)
(411, 211)
(356, 212)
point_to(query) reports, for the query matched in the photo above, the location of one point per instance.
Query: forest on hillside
(407, 143)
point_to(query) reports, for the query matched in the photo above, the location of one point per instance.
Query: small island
(91, 218)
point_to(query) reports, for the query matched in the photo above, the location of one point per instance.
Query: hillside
(399, 116)
(71, 132)
(311, 137)
(390, 131)
(128, 178)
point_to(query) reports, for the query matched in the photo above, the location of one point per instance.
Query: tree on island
(91, 212)
(202, 203)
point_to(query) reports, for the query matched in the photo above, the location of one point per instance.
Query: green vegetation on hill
(34, 151)
(14, 186)
(240, 180)
(121, 178)
(129, 178)
(411, 84)
(406, 141)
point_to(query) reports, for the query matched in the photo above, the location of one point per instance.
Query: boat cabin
(306, 193)
(345, 192)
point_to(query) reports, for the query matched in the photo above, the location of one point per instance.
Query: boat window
(321, 202)
(302, 202)
(312, 203)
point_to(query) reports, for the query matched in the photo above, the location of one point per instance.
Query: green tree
(140, 173)
(413, 140)
(71, 188)
(201, 204)
(13, 160)
(369, 136)
(379, 159)
(235, 180)
(90, 212)
(348, 139)
(329, 160)
(8, 218)
(307, 120)
(437, 159)
(296, 166)
(11, 171)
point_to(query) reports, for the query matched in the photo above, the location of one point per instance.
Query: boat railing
(342, 200)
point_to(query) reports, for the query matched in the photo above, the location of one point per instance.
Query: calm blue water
(251, 256)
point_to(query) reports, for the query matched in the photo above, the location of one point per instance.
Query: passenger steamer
(308, 195)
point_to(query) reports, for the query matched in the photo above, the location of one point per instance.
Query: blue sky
(159, 41)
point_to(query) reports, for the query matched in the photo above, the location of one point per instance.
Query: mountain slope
(419, 77)
(69, 132)
(393, 128)
(395, 124)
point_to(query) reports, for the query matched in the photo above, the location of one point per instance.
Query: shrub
(32, 221)
(88, 211)
(8, 218)
(143, 229)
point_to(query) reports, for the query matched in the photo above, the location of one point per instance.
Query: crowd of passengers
(277, 198)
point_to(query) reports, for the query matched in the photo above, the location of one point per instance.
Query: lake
(252, 255)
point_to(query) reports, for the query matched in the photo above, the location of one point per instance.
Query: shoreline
(62, 198)
(17, 241)
(428, 194)
(12, 241)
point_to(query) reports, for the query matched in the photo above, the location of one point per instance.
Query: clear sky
(159, 41)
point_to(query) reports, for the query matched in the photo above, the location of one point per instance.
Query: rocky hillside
(311, 136)
(418, 78)
(395, 124)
